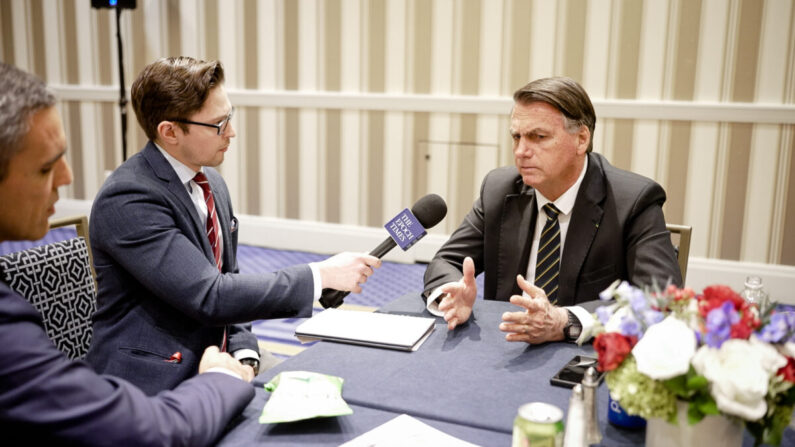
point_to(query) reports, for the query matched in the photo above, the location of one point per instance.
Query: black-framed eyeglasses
(220, 127)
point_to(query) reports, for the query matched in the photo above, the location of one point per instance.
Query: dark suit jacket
(617, 230)
(159, 291)
(47, 399)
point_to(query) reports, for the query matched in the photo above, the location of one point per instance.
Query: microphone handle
(383, 248)
(333, 297)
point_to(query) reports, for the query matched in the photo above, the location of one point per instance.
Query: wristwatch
(573, 328)
(252, 362)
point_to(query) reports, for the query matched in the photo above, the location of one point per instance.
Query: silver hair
(21, 95)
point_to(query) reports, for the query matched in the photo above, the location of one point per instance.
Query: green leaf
(694, 414)
(697, 382)
(709, 407)
(677, 385)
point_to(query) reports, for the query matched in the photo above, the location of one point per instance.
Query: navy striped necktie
(548, 259)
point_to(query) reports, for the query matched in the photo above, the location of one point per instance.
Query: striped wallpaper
(349, 110)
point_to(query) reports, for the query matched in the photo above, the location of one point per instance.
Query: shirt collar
(565, 202)
(184, 173)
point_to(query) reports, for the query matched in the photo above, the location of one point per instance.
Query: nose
(230, 130)
(63, 173)
(523, 148)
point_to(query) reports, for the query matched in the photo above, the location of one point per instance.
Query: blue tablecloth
(468, 382)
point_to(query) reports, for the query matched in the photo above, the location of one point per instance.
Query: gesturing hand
(540, 321)
(459, 296)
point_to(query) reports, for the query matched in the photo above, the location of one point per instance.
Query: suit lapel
(585, 218)
(515, 229)
(165, 172)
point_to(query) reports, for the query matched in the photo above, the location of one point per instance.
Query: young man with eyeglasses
(164, 238)
(46, 398)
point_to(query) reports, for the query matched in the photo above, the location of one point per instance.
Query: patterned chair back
(57, 279)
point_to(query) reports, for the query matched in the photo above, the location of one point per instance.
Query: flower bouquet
(714, 351)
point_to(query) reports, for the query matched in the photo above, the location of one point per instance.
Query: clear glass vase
(712, 430)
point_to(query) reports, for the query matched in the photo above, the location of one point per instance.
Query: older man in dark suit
(562, 217)
(164, 238)
(45, 398)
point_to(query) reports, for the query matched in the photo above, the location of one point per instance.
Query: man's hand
(540, 321)
(213, 358)
(459, 297)
(346, 271)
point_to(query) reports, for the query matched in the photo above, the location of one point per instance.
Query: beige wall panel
(788, 243)
(543, 26)
(760, 193)
(352, 121)
(249, 171)
(736, 175)
(329, 162)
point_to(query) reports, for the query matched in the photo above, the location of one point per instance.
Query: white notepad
(402, 332)
(405, 430)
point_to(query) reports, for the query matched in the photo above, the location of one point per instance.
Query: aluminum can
(538, 424)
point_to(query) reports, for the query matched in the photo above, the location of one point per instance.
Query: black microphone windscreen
(429, 210)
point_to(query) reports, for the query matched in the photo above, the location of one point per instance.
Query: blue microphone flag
(405, 229)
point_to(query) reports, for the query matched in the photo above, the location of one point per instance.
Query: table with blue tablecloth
(468, 383)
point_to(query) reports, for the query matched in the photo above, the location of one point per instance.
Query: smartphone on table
(573, 372)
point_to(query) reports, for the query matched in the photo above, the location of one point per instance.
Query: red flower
(715, 296)
(741, 330)
(679, 294)
(611, 349)
(788, 371)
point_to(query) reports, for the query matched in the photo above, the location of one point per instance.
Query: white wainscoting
(327, 238)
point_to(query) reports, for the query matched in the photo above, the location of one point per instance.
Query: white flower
(666, 349)
(739, 372)
(788, 349)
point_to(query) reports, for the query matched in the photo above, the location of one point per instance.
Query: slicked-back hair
(21, 95)
(566, 95)
(173, 88)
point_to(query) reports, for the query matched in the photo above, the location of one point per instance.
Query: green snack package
(298, 395)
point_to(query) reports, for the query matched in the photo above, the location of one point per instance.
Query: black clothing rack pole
(122, 90)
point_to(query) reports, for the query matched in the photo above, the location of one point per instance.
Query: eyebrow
(54, 159)
(223, 117)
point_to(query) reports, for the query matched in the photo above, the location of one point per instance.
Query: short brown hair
(566, 95)
(173, 88)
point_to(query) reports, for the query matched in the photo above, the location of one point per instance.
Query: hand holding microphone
(407, 227)
(346, 271)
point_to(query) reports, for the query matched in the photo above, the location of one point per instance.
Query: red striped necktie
(212, 227)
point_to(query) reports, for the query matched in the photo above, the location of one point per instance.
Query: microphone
(428, 211)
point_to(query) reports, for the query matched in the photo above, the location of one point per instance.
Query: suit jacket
(617, 230)
(45, 398)
(159, 291)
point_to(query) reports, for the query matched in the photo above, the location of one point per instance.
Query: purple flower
(604, 313)
(638, 301)
(719, 322)
(651, 317)
(630, 326)
(781, 323)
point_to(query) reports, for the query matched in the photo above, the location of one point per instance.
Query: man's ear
(583, 139)
(167, 132)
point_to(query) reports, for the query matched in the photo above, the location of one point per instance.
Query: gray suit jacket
(617, 230)
(159, 291)
(45, 398)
